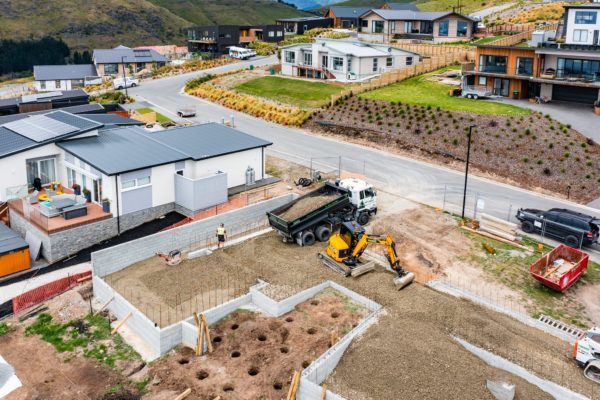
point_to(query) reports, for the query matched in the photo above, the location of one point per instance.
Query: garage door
(574, 94)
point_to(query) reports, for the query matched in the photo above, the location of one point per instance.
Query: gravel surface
(303, 206)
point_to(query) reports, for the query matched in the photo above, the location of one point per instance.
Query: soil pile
(305, 205)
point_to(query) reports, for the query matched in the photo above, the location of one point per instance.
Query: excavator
(346, 247)
(586, 352)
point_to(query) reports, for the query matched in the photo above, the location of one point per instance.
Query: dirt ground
(254, 355)
(305, 205)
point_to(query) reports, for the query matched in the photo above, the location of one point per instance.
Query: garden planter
(88, 197)
(106, 206)
(77, 190)
(597, 110)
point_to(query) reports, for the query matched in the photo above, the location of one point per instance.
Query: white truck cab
(586, 352)
(362, 195)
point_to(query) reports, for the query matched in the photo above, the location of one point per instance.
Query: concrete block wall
(113, 259)
(278, 308)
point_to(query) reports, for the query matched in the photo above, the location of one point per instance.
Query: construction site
(430, 315)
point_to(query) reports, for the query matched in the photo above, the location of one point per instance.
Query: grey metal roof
(301, 19)
(111, 56)
(79, 121)
(74, 71)
(348, 12)
(403, 6)
(11, 142)
(112, 119)
(408, 15)
(85, 108)
(10, 240)
(131, 148)
(50, 97)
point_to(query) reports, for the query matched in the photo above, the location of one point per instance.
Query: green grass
(299, 93)
(4, 328)
(86, 334)
(421, 92)
(161, 119)
(488, 39)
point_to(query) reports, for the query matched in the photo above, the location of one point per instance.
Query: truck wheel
(308, 238)
(363, 218)
(572, 241)
(323, 233)
(527, 227)
(469, 96)
(475, 97)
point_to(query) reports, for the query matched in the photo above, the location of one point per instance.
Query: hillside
(87, 24)
(207, 12)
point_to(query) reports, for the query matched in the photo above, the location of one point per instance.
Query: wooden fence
(426, 65)
(429, 50)
(512, 40)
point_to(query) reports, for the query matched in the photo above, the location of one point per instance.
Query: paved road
(416, 180)
(491, 10)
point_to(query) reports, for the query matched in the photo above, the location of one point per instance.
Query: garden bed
(531, 151)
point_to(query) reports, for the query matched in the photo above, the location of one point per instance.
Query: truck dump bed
(560, 268)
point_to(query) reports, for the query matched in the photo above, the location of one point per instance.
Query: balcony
(496, 69)
(524, 71)
(569, 47)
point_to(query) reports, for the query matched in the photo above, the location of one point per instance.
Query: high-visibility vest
(221, 231)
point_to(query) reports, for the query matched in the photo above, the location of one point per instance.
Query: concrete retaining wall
(113, 259)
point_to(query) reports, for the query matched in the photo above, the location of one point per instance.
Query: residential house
(346, 17)
(43, 101)
(385, 25)
(50, 78)
(114, 61)
(132, 175)
(215, 40)
(170, 51)
(297, 26)
(400, 6)
(568, 71)
(342, 60)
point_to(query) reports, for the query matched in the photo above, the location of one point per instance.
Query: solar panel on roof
(40, 128)
(142, 53)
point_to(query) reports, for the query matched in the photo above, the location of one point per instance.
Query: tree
(22, 55)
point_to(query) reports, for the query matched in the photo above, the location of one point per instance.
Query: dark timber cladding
(214, 40)
(302, 24)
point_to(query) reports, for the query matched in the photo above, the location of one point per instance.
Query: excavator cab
(342, 244)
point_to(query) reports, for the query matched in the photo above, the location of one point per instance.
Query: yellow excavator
(346, 247)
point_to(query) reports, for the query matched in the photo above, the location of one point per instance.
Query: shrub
(525, 159)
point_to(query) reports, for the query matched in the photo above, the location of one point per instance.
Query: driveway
(580, 116)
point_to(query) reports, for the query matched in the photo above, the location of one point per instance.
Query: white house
(582, 24)
(342, 60)
(50, 78)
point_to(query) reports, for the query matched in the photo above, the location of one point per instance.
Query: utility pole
(467, 170)
(124, 75)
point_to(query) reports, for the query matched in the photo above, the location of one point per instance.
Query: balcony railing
(524, 71)
(499, 69)
(571, 46)
(587, 77)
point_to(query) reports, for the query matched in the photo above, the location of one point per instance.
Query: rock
(129, 367)
(501, 390)
(156, 380)
(141, 375)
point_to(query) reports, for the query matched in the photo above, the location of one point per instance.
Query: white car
(241, 53)
(121, 83)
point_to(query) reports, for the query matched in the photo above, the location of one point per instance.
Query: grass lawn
(488, 39)
(421, 92)
(299, 93)
(161, 119)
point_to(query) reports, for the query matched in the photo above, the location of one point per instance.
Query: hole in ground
(234, 327)
(235, 354)
(202, 374)
(314, 303)
(217, 339)
(305, 363)
(335, 314)
(261, 338)
(277, 385)
(311, 331)
(253, 371)
(284, 350)
(228, 388)
(183, 361)
(289, 319)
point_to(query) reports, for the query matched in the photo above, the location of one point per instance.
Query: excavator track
(592, 371)
(346, 270)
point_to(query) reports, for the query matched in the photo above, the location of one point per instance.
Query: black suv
(573, 228)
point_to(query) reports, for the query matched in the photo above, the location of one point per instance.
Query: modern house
(215, 40)
(297, 26)
(170, 51)
(50, 78)
(568, 71)
(113, 61)
(400, 6)
(346, 17)
(129, 175)
(342, 60)
(388, 24)
(43, 101)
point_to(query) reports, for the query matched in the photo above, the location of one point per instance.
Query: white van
(241, 53)
(119, 83)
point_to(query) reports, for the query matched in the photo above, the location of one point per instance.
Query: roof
(348, 12)
(409, 15)
(125, 54)
(10, 240)
(402, 6)
(301, 19)
(74, 71)
(47, 97)
(132, 148)
(85, 108)
(112, 119)
(353, 47)
(592, 5)
(12, 142)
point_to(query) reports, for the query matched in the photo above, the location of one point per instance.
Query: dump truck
(317, 214)
(586, 352)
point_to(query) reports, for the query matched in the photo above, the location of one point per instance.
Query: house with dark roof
(387, 24)
(297, 26)
(43, 101)
(50, 78)
(346, 17)
(121, 58)
(215, 40)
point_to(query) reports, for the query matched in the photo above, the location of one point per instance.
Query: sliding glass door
(44, 169)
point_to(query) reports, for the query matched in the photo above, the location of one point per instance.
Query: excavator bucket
(404, 280)
(592, 371)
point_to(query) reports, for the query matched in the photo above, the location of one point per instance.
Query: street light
(124, 76)
(467, 170)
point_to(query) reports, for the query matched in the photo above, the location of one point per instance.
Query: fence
(426, 65)
(512, 40)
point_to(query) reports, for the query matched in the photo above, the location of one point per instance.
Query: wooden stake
(207, 334)
(104, 306)
(129, 314)
(323, 391)
(184, 394)
(294, 386)
(199, 347)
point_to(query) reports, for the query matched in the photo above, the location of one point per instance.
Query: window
(271, 34)
(71, 177)
(377, 27)
(290, 57)
(364, 23)
(337, 63)
(524, 66)
(483, 81)
(389, 62)
(585, 17)
(570, 67)
(462, 29)
(42, 85)
(111, 69)
(409, 60)
(580, 35)
(375, 66)
(143, 181)
(307, 58)
(132, 183)
(57, 83)
(41, 168)
(489, 63)
(407, 26)
(128, 184)
(279, 33)
(443, 28)
(392, 26)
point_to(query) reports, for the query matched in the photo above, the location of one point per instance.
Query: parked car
(573, 228)
(186, 111)
(241, 53)
(120, 83)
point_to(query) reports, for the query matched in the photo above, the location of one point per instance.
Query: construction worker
(221, 235)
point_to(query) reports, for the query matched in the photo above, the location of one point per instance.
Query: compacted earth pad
(255, 355)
